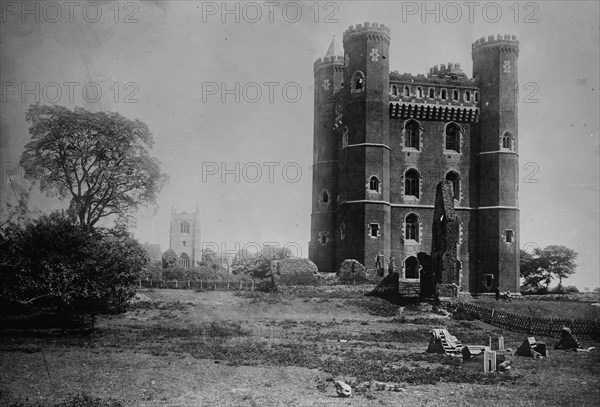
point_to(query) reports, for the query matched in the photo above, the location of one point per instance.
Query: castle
(184, 238)
(384, 140)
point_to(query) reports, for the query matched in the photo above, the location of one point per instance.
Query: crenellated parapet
(325, 61)
(375, 31)
(507, 43)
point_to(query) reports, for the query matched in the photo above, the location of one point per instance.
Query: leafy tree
(54, 262)
(259, 264)
(544, 265)
(100, 161)
(169, 259)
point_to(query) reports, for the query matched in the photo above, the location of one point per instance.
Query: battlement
(500, 39)
(361, 28)
(451, 68)
(334, 59)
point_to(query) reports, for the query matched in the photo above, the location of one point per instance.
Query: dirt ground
(187, 348)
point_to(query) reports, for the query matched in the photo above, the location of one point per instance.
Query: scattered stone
(505, 366)
(293, 272)
(343, 389)
(352, 271)
(568, 341)
(531, 348)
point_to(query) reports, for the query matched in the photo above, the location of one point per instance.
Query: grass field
(186, 348)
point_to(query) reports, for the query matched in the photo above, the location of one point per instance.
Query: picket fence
(213, 285)
(584, 329)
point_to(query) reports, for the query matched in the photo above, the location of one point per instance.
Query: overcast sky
(170, 60)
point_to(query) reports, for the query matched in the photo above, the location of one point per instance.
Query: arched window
(394, 90)
(468, 95)
(443, 94)
(455, 180)
(184, 261)
(358, 82)
(420, 92)
(453, 137)
(476, 95)
(374, 184)
(411, 183)
(412, 131)
(342, 231)
(325, 197)
(431, 93)
(184, 227)
(507, 141)
(411, 230)
(406, 91)
(455, 94)
(411, 267)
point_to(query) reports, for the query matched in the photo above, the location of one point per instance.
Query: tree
(258, 264)
(100, 161)
(169, 259)
(541, 267)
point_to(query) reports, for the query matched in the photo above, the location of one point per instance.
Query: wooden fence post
(175, 283)
(227, 284)
(201, 284)
(240, 285)
(252, 285)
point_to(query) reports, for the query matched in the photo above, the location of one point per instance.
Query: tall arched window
(420, 92)
(412, 131)
(507, 141)
(406, 91)
(453, 137)
(411, 267)
(411, 230)
(431, 93)
(374, 184)
(411, 183)
(455, 94)
(443, 94)
(394, 90)
(184, 227)
(468, 95)
(455, 180)
(358, 82)
(184, 261)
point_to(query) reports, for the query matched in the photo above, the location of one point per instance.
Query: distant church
(184, 238)
(383, 141)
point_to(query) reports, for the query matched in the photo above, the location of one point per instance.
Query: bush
(570, 289)
(55, 263)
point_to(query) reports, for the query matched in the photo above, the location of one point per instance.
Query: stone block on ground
(294, 272)
(352, 271)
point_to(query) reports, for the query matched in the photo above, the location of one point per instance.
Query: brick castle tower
(383, 141)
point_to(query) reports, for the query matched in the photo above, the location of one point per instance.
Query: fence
(214, 285)
(584, 329)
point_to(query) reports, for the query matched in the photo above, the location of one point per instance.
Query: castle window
(323, 237)
(431, 93)
(358, 82)
(420, 92)
(411, 267)
(184, 227)
(453, 137)
(374, 184)
(345, 137)
(411, 183)
(184, 261)
(411, 229)
(476, 95)
(509, 236)
(468, 96)
(394, 90)
(507, 141)
(455, 180)
(412, 131)
(488, 281)
(342, 231)
(374, 230)
(443, 95)
(406, 91)
(455, 94)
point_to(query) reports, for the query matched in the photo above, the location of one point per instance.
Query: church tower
(364, 162)
(495, 71)
(184, 238)
(328, 73)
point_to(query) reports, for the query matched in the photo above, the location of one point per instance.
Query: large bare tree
(100, 161)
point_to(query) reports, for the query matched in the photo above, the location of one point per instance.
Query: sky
(226, 89)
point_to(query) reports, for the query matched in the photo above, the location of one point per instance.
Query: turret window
(374, 184)
(412, 132)
(411, 183)
(374, 230)
(507, 141)
(453, 137)
(411, 228)
(358, 82)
